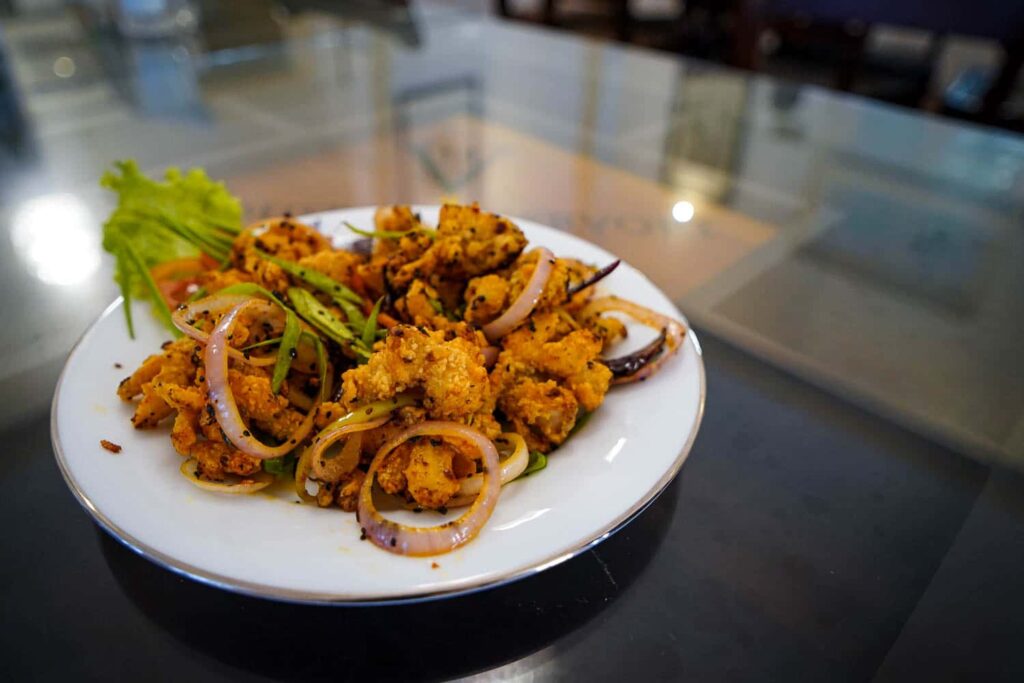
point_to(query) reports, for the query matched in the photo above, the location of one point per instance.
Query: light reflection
(52, 235)
(528, 517)
(683, 212)
(616, 449)
(64, 67)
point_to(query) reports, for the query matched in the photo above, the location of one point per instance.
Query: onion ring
(224, 406)
(525, 302)
(511, 467)
(249, 484)
(673, 329)
(314, 452)
(186, 313)
(420, 541)
(376, 413)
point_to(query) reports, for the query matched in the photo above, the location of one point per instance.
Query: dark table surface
(839, 517)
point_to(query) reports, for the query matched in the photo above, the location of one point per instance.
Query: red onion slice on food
(248, 484)
(525, 302)
(185, 315)
(321, 442)
(673, 330)
(511, 467)
(409, 540)
(223, 400)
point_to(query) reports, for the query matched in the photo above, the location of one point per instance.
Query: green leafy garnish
(158, 221)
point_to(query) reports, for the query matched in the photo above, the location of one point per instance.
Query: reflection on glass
(683, 211)
(64, 67)
(51, 235)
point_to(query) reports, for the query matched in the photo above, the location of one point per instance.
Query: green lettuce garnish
(157, 221)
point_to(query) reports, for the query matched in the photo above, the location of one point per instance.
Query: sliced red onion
(490, 356)
(186, 313)
(419, 541)
(525, 302)
(673, 330)
(312, 457)
(631, 363)
(248, 484)
(224, 406)
(511, 467)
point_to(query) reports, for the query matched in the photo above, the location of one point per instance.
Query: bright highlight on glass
(64, 67)
(682, 212)
(51, 235)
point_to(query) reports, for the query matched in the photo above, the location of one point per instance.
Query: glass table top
(874, 251)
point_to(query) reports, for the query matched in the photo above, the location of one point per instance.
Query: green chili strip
(162, 310)
(196, 295)
(126, 292)
(314, 279)
(321, 361)
(285, 465)
(389, 234)
(370, 329)
(317, 315)
(286, 352)
(249, 289)
(265, 342)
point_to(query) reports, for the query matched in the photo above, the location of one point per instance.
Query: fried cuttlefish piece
(549, 371)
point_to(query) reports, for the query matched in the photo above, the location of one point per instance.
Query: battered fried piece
(175, 366)
(421, 305)
(425, 471)
(338, 265)
(395, 219)
(347, 495)
(110, 446)
(391, 472)
(184, 432)
(542, 412)
(389, 255)
(270, 412)
(282, 237)
(176, 353)
(486, 298)
(446, 365)
(216, 280)
(216, 460)
(468, 242)
(606, 328)
(431, 480)
(545, 372)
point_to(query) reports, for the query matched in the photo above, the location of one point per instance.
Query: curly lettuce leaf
(157, 221)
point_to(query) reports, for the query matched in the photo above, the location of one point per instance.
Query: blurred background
(957, 58)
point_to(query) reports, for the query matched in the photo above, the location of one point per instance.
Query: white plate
(266, 545)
